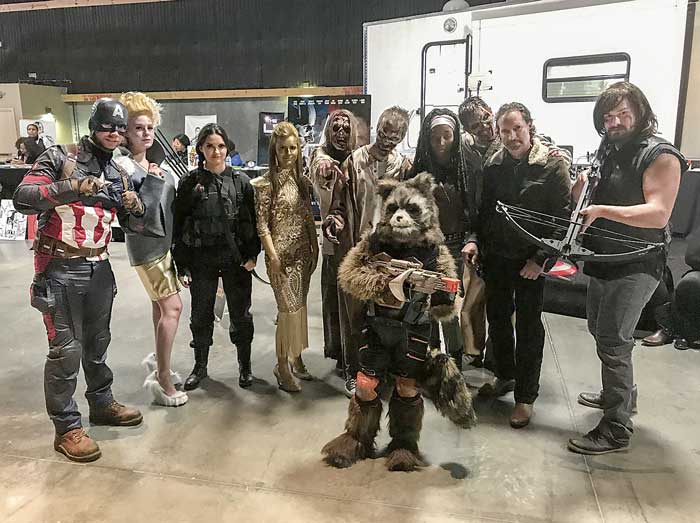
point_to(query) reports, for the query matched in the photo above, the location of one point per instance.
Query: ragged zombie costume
(395, 334)
(456, 172)
(354, 209)
(77, 199)
(213, 235)
(339, 137)
(288, 233)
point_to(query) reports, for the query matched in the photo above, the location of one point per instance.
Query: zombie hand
(331, 227)
(132, 203)
(87, 186)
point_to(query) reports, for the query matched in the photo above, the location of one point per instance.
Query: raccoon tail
(444, 385)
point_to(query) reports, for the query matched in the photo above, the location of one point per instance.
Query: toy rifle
(411, 272)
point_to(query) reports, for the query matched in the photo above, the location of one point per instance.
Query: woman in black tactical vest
(215, 237)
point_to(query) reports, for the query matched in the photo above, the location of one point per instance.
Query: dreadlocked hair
(423, 160)
(281, 131)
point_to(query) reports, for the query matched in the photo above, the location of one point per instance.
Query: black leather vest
(621, 184)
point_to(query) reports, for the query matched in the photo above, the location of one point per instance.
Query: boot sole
(588, 452)
(78, 459)
(126, 423)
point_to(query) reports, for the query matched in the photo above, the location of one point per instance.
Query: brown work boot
(76, 445)
(115, 414)
(521, 415)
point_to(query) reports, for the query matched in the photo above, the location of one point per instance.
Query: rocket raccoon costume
(396, 332)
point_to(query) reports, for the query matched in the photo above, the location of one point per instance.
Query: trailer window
(582, 78)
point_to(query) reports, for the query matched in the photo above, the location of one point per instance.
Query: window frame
(582, 60)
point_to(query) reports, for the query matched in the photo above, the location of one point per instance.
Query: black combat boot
(199, 372)
(245, 374)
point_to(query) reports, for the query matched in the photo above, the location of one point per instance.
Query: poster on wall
(13, 225)
(47, 128)
(193, 124)
(309, 115)
(266, 123)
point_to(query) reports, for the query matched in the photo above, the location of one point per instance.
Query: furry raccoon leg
(357, 442)
(405, 423)
(444, 384)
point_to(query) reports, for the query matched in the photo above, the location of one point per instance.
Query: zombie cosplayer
(354, 209)
(456, 170)
(339, 141)
(78, 199)
(396, 328)
(214, 237)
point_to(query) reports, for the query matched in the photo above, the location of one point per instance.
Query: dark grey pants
(332, 347)
(613, 309)
(77, 325)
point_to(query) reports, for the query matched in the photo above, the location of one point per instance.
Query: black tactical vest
(216, 201)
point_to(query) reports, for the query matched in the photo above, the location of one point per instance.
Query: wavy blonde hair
(139, 104)
(281, 131)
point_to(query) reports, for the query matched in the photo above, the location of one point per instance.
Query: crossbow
(567, 244)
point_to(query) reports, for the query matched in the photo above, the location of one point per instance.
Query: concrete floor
(253, 455)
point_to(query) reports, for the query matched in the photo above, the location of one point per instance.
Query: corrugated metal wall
(196, 44)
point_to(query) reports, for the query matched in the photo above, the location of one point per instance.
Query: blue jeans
(613, 309)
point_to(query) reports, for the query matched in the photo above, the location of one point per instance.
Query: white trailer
(554, 56)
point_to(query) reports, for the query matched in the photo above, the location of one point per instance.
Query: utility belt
(58, 249)
(413, 312)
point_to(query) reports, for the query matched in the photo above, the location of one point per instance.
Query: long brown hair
(613, 96)
(281, 131)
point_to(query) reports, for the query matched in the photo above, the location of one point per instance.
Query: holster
(40, 295)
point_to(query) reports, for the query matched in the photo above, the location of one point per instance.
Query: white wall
(393, 59)
(515, 47)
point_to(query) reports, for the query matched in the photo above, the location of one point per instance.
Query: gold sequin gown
(288, 219)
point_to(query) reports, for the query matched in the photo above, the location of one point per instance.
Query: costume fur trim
(357, 442)
(357, 278)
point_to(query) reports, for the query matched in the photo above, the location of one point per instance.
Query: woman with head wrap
(456, 171)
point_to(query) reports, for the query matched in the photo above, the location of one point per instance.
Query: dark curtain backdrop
(196, 44)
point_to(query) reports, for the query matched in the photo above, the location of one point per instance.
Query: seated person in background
(680, 317)
(236, 160)
(27, 152)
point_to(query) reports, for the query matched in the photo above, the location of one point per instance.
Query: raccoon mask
(409, 214)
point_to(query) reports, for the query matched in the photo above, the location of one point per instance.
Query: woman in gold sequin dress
(288, 234)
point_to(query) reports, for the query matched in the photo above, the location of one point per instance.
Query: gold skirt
(158, 278)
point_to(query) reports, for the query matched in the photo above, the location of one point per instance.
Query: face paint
(340, 133)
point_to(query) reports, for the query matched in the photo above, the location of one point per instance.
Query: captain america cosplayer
(78, 199)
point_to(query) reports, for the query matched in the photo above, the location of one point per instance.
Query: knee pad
(406, 387)
(365, 387)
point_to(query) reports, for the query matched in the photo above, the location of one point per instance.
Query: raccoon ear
(385, 187)
(423, 182)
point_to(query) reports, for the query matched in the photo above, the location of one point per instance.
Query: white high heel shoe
(151, 365)
(178, 399)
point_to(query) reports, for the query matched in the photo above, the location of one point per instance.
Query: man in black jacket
(523, 173)
(640, 176)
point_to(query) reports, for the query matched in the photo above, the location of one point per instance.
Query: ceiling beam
(226, 93)
(68, 4)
